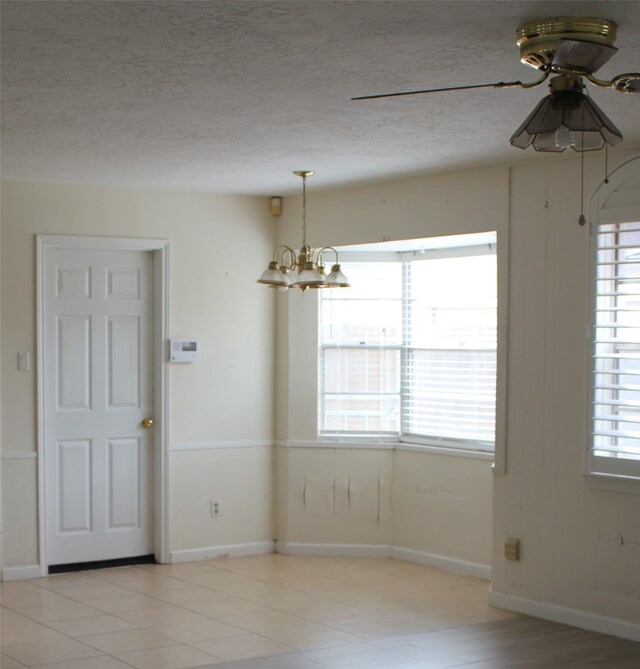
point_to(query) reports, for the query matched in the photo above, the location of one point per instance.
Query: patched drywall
(335, 496)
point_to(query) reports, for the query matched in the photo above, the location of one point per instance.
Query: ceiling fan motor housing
(539, 40)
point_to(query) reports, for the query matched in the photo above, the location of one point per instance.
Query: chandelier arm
(291, 265)
(284, 250)
(327, 248)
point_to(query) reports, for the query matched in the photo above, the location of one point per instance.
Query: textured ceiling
(230, 96)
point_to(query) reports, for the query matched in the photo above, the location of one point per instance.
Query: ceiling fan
(572, 49)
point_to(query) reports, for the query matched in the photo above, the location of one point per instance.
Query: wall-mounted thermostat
(184, 350)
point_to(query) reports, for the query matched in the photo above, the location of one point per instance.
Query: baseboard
(561, 614)
(20, 573)
(232, 550)
(443, 562)
(334, 550)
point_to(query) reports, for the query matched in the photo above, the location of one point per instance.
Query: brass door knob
(147, 422)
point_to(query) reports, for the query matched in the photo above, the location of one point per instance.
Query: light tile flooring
(282, 612)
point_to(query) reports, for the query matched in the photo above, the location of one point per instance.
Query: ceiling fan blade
(581, 56)
(499, 84)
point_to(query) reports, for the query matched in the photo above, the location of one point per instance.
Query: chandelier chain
(304, 211)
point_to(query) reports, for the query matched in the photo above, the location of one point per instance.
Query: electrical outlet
(215, 509)
(24, 362)
(512, 549)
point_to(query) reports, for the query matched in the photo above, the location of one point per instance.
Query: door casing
(160, 250)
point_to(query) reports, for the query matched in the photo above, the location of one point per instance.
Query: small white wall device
(184, 350)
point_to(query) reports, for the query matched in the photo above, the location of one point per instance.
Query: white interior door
(98, 389)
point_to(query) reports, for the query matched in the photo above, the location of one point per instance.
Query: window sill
(392, 445)
(335, 443)
(446, 450)
(613, 483)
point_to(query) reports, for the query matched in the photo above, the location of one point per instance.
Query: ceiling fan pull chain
(581, 219)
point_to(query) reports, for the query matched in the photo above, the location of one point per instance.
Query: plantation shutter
(616, 339)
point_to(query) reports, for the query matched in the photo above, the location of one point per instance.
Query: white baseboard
(232, 550)
(22, 572)
(386, 551)
(334, 550)
(443, 562)
(561, 614)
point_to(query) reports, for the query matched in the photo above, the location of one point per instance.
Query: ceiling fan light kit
(566, 118)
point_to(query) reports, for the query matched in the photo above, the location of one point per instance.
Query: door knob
(147, 422)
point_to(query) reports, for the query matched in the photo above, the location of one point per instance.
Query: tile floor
(278, 612)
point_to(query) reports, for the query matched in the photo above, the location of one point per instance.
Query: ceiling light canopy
(566, 118)
(306, 268)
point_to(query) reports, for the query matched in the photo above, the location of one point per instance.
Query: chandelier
(305, 268)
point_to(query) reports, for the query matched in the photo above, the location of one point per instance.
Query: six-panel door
(98, 351)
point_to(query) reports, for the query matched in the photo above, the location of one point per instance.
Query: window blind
(449, 371)
(360, 348)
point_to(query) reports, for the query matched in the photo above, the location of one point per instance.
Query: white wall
(426, 513)
(1, 504)
(222, 400)
(240, 480)
(570, 533)
(442, 507)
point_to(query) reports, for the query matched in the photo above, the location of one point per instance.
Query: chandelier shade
(336, 278)
(566, 118)
(305, 268)
(272, 276)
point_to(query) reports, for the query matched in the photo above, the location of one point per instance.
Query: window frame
(434, 443)
(606, 471)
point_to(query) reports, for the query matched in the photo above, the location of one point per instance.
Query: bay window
(409, 351)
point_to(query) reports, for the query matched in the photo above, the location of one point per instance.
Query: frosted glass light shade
(309, 277)
(272, 276)
(336, 279)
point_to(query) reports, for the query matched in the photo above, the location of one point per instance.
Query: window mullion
(405, 361)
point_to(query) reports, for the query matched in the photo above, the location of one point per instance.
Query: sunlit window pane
(410, 349)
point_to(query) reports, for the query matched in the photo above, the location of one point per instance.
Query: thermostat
(184, 350)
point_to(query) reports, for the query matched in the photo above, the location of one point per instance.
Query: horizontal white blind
(616, 337)
(450, 330)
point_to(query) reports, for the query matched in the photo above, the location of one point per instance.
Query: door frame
(160, 250)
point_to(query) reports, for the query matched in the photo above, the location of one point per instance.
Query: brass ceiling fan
(569, 49)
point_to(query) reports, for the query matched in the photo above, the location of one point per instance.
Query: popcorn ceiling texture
(230, 96)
